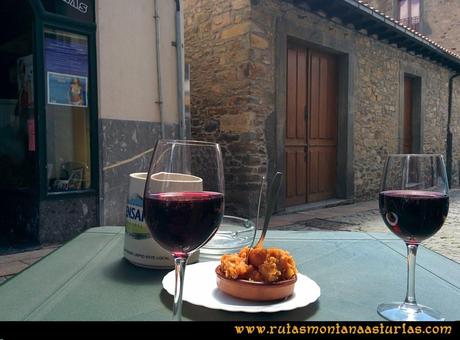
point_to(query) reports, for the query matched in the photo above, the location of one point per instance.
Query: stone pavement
(12, 264)
(363, 216)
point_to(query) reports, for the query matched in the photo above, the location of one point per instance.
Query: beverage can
(139, 247)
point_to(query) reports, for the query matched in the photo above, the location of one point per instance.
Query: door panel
(313, 123)
(291, 105)
(322, 122)
(321, 166)
(323, 114)
(295, 142)
(301, 92)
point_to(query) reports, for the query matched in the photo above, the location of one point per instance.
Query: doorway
(311, 125)
(407, 115)
(18, 184)
(411, 119)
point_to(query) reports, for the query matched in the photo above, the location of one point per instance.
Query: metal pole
(180, 72)
(159, 79)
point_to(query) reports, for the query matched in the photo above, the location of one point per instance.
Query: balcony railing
(412, 22)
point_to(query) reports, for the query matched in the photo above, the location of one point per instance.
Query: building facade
(87, 87)
(320, 91)
(434, 19)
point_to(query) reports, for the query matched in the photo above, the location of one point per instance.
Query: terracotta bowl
(255, 291)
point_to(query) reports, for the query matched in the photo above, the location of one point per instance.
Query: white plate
(201, 289)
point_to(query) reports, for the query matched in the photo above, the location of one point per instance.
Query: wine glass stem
(180, 263)
(411, 254)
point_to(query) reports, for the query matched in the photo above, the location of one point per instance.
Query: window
(67, 111)
(409, 13)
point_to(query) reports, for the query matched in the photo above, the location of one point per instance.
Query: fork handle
(272, 199)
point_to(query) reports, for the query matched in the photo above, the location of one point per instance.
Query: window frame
(418, 26)
(43, 21)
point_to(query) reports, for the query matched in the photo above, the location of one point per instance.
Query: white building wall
(128, 87)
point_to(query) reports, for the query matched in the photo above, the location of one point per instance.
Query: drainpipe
(159, 80)
(180, 71)
(449, 132)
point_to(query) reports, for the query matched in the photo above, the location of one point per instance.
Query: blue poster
(66, 64)
(68, 90)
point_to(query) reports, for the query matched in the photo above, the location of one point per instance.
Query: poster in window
(66, 63)
(67, 90)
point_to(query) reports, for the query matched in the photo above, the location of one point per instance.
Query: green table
(88, 279)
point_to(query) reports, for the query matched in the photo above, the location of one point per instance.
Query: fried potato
(259, 264)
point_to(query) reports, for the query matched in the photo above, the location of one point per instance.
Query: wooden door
(311, 125)
(296, 141)
(407, 119)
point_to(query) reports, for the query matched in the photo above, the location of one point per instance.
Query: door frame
(314, 37)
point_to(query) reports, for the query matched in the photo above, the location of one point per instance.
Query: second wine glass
(414, 203)
(184, 201)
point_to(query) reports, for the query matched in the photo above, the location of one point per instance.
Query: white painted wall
(127, 60)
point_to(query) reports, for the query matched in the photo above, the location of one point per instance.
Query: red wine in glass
(413, 215)
(183, 221)
(184, 201)
(413, 202)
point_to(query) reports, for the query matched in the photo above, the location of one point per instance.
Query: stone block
(211, 125)
(239, 124)
(228, 138)
(220, 21)
(236, 30)
(258, 42)
(239, 4)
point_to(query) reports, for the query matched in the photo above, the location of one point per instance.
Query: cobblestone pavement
(11, 264)
(366, 217)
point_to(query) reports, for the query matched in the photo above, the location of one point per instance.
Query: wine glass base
(408, 312)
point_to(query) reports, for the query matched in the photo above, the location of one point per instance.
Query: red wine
(183, 221)
(413, 215)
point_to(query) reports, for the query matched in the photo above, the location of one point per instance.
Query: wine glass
(184, 201)
(414, 203)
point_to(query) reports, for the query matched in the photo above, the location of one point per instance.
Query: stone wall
(378, 109)
(440, 22)
(248, 99)
(376, 117)
(218, 43)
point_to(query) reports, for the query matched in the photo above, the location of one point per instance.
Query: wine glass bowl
(414, 203)
(184, 200)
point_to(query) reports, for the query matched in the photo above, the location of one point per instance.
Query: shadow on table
(125, 272)
(198, 313)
